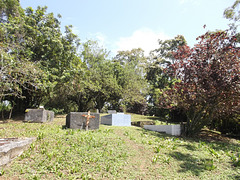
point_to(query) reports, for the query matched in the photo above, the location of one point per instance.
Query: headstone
(174, 130)
(39, 115)
(119, 119)
(112, 112)
(78, 120)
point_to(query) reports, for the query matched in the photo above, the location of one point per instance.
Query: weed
(235, 158)
(157, 149)
(174, 147)
(126, 133)
(107, 167)
(155, 159)
(32, 146)
(208, 165)
(132, 138)
(2, 172)
(213, 152)
(150, 142)
(166, 160)
(40, 136)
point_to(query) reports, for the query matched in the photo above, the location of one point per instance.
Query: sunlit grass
(116, 153)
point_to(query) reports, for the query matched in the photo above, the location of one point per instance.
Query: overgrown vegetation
(117, 153)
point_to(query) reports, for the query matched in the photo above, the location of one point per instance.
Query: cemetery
(106, 146)
(72, 109)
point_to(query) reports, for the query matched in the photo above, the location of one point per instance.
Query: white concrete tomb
(174, 130)
(119, 119)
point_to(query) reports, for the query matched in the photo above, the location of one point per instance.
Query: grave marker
(38, 115)
(88, 116)
(174, 130)
(77, 120)
(119, 119)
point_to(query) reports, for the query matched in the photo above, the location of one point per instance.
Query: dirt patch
(141, 160)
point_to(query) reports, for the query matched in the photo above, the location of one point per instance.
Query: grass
(157, 120)
(116, 153)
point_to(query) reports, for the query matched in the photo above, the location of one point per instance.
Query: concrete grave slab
(119, 119)
(76, 120)
(142, 123)
(112, 112)
(10, 148)
(39, 115)
(174, 130)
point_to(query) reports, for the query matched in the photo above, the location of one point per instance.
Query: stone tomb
(112, 112)
(78, 120)
(119, 119)
(10, 148)
(174, 130)
(39, 115)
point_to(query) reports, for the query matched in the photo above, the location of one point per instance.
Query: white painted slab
(174, 130)
(118, 119)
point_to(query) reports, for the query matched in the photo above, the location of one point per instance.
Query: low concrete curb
(10, 148)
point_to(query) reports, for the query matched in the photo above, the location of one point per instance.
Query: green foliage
(208, 164)
(207, 85)
(235, 158)
(115, 153)
(232, 12)
(130, 76)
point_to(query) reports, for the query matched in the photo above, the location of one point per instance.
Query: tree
(41, 57)
(130, 76)
(207, 80)
(17, 74)
(9, 8)
(161, 59)
(103, 82)
(232, 12)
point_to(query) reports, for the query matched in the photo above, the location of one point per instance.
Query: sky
(127, 24)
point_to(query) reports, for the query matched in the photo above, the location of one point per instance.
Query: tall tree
(131, 77)
(207, 83)
(160, 59)
(18, 74)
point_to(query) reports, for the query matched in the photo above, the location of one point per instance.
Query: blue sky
(127, 24)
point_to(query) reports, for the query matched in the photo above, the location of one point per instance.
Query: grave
(174, 130)
(142, 123)
(39, 115)
(10, 148)
(119, 119)
(112, 112)
(83, 120)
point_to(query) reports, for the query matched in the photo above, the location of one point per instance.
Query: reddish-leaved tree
(207, 82)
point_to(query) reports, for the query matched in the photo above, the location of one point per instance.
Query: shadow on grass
(216, 145)
(153, 133)
(189, 163)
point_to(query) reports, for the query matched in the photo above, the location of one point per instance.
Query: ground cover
(117, 153)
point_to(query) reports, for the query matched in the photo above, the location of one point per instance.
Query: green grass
(157, 120)
(116, 153)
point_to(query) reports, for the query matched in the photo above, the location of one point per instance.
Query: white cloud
(144, 38)
(100, 37)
